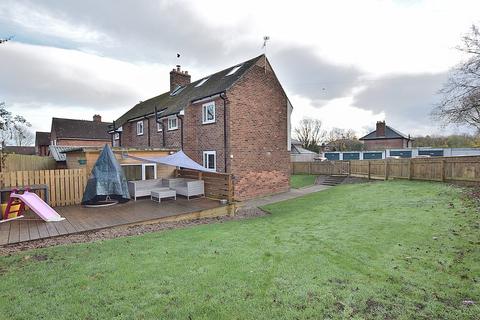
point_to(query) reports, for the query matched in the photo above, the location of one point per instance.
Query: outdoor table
(33, 187)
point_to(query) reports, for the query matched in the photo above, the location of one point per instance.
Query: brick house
(236, 121)
(42, 141)
(385, 137)
(73, 132)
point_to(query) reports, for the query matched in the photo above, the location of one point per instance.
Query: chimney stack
(178, 78)
(380, 132)
(97, 118)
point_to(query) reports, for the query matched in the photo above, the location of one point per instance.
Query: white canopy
(178, 159)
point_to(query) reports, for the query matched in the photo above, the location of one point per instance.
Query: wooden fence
(65, 186)
(22, 162)
(217, 185)
(449, 169)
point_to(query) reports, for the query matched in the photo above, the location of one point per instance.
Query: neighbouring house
(42, 141)
(235, 121)
(73, 132)
(300, 154)
(385, 137)
(27, 150)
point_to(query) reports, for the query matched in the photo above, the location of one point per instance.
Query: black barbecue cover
(106, 179)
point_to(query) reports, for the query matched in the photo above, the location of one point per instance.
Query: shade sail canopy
(178, 159)
(106, 179)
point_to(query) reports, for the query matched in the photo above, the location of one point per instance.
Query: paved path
(293, 193)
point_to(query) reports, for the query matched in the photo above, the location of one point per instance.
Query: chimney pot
(97, 118)
(178, 78)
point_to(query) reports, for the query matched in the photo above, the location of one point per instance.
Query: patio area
(80, 219)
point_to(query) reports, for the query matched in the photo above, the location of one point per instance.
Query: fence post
(443, 169)
(309, 168)
(200, 174)
(368, 169)
(410, 169)
(386, 169)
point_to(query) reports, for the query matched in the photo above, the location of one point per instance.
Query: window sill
(173, 129)
(209, 122)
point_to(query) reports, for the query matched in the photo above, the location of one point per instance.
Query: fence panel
(60, 183)
(22, 162)
(217, 185)
(453, 169)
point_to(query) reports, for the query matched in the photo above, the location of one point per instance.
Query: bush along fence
(65, 187)
(217, 185)
(449, 169)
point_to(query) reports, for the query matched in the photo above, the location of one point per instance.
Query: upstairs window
(210, 160)
(159, 127)
(208, 112)
(140, 128)
(201, 82)
(116, 136)
(234, 69)
(172, 123)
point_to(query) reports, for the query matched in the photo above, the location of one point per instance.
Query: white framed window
(116, 136)
(172, 123)
(208, 112)
(210, 160)
(139, 171)
(159, 127)
(139, 128)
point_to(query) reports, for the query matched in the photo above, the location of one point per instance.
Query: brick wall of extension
(83, 143)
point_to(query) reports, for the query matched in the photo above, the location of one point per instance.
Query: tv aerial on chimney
(265, 39)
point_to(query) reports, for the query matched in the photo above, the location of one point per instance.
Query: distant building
(19, 150)
(300, 154)
(385, 137)
(72, 132)
(42, 141)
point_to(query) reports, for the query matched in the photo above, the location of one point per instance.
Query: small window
(116, 136)
(177, 90)
(159, 127)
(208, 112)
(172, 123)
(140, 128)
(234, 69)
(201, 82)
(210, 160)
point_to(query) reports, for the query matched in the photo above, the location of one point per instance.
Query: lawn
(386, 250)
(301, 180)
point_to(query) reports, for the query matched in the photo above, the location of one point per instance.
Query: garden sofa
(186, 187)
(143, 188)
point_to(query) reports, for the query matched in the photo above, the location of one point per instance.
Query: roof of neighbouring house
(57, 152)
(390, 133)
(80, 129)
(172, 104)
(42, 138)
(20, 150)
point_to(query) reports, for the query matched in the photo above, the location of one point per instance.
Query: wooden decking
(80, 219)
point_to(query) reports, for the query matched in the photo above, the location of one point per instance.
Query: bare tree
(460, 103)
(2, 40)
(310, 134)
(343, 140)
(22, 134)
(11, 127)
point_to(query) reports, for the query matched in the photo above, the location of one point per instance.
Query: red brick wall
(199, 137)
(258, 126)
(383, 144)
(129, 137)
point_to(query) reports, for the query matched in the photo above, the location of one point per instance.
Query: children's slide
(38, 206)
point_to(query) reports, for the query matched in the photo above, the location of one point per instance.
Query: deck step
(332, 180)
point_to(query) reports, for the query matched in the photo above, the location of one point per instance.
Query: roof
(172, 104)
(57, 152)
(299, 150)
(390, 133)
(20, 150)
(42, 138)
(80, 129)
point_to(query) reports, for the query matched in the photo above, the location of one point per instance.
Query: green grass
(301, 180)
(386, 250)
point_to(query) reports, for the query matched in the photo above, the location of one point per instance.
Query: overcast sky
(348, 63)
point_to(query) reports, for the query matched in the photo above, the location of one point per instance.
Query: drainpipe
(148, 132)
(181, 130)
(222, 96)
